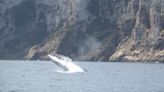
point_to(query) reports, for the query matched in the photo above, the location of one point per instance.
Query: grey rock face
(143, 45)
(25, 25)
(81, 29)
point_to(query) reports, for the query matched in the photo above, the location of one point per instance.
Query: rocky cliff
(103, 30)
(146, 42)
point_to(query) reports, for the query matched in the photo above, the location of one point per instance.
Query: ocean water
(41, 76)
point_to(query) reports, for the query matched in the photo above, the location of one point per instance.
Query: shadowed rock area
(99, 30)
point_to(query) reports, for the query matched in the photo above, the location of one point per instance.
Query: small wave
(65, 72)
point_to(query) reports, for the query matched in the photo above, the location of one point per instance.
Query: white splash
(65, 63)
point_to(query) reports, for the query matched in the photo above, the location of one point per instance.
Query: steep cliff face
(146, 41)
(81, 29)
(24, 25)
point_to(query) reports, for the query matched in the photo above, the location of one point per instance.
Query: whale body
(65, 63)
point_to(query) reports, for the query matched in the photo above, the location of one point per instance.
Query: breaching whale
(65, 63)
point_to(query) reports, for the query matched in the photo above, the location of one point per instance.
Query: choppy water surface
(40, 76)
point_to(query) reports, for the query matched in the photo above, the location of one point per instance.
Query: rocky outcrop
(146, 42)
(82, 29)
